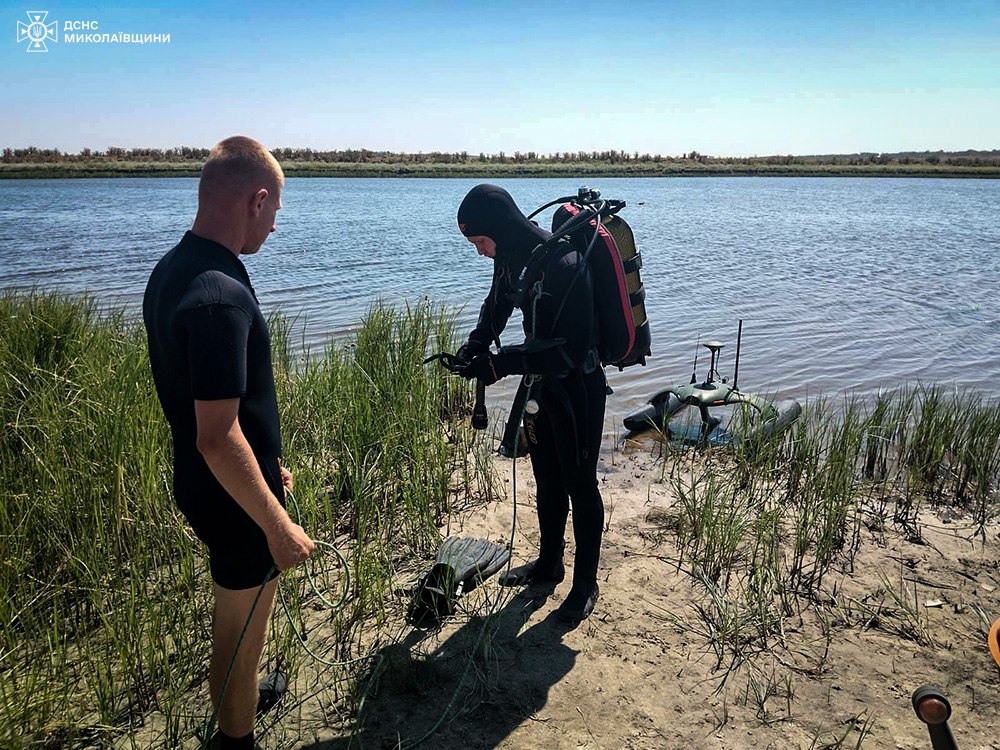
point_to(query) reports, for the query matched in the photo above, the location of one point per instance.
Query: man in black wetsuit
(211, 359)
(564, 438)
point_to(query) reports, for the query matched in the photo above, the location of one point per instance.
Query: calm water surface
(843, 284)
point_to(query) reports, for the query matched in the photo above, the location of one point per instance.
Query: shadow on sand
(441, 699)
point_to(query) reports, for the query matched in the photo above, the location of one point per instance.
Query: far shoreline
(506, 171)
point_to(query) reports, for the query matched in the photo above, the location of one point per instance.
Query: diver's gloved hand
(469, 351)
(482, 367)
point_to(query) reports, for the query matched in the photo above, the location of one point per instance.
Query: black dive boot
(534, 572)
(546, 569)
(579, 602)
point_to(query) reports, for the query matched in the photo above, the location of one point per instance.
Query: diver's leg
(551, 504)
(580, 477)
(552, 500)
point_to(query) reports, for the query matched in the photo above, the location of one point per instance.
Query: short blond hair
(239, 166)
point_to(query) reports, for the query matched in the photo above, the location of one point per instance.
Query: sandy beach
(642, 672)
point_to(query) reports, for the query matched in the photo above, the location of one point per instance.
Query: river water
(844, 285)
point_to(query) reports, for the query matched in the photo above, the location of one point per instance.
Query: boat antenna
(736, 372)
(694, 369)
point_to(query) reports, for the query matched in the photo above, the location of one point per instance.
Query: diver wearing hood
(564, 438)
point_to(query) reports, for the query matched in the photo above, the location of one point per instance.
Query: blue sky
(722, 78)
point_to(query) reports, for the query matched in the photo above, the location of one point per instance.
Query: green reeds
(763, 525)
(710, 525)
(104, 594)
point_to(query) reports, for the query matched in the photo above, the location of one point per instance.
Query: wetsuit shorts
(239, 557)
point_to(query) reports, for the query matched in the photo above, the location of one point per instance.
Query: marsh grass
(762, 526)
(852, 734)
(710, 526)
(766, 688)
(768, 529)
(104, 605)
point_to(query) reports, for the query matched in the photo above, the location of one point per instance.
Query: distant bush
(195, 156)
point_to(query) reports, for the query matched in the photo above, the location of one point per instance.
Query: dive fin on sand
(461, 564)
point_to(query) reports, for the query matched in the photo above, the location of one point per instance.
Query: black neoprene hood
(489, 211)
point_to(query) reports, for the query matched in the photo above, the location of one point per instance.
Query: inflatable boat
(750, 417)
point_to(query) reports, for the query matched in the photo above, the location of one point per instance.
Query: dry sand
(640, 672)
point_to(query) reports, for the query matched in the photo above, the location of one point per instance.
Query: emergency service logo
(36, 33)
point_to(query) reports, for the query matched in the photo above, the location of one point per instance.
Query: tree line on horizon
(189, 154)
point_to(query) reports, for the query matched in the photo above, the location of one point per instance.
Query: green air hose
(493, 605)
(330, 605)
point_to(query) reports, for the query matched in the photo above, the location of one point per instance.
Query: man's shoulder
(163, 265)
(195, 273)
(213, 286)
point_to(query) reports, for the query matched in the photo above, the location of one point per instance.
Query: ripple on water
(843, 284)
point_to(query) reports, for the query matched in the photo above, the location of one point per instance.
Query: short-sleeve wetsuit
(207, 341)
